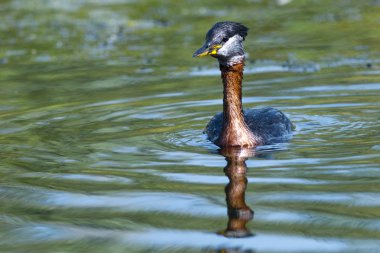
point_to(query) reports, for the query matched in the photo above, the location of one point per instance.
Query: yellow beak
(206, 50)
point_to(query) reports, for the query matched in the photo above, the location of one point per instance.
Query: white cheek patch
(232, 51)
(229, 45)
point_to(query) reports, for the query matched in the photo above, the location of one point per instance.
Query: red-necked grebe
(236, 127)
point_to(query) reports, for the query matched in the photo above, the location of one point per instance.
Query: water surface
(102, 110)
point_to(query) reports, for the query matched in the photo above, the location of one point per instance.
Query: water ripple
(165, 239)
(187, 204)
(209, 179)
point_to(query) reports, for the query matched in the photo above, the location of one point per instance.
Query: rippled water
(102, 110)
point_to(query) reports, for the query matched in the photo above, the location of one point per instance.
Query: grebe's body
(270, 125)
(236, 127)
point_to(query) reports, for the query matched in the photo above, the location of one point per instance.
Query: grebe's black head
(224, 41)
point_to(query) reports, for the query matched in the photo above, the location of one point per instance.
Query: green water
(102, 110)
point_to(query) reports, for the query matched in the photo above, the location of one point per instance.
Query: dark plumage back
(226, 30)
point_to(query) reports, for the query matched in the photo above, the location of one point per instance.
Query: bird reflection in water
(239, 214)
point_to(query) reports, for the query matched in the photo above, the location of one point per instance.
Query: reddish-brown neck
(235, 131)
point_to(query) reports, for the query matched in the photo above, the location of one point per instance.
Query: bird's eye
(224, 39)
